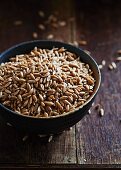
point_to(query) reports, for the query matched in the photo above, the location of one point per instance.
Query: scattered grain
(89, 111)
(42, 136)
(18, 23)
(100, 66)
(41, 27)
(35, 35)
(50, 36)
(50, 138)
(93, 104)
(62, 23)
(75, 43)
(24, 138)
(82, 42)
(9, 124)
(114, 65)
(41, 14)
(118, 59)
(110, 67)
(103, 62)
(101, 112)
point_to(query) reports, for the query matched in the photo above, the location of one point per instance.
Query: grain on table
(41, 27)
(35, 35)
(50, 36)
(101, 112)
(41, 14)
(118, 59)
(18, 22)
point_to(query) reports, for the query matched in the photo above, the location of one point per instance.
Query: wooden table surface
(94, 140)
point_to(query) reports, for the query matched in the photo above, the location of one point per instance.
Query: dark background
(95, 139)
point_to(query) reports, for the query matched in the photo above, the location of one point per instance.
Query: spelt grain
(67, 102)
(50, 36)
(41, 97)
(82, 42)
(75, 43)
(101, 112)
(103, 62)
(35, 35)
(118, 59)
(113, 65)
(41, 27)
(45, 114)
(110, 67)
(100, 66)
(24, 138)
(41, 14)
(48, 103)
(19, 97)
(1, 94)
(34, 98)
(50, 139)
(89, 111)
(59, 105)
(67, 108)
(45, 82)
(9, 124)
(18, 22)
(62, 23)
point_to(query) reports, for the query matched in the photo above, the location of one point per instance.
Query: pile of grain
(45, 82)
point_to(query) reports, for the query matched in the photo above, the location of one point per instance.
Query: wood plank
(28, 14)
(34, 150)
(59, 151)
(61, 166)
(12, 148)
(98, 139)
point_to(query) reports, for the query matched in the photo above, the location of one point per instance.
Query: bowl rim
(66, 113)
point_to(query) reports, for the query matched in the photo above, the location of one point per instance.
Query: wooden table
(95, 141)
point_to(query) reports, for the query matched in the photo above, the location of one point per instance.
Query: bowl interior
(28, 46)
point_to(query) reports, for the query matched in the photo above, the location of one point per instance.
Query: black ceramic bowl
(59, 123)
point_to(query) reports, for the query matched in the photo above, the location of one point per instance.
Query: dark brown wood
(95, 139)
(98, 139)
(35, 150)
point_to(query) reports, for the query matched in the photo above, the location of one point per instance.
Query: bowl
(57, 124)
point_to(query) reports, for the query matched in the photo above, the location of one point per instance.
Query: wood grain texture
(35, 150)
(99, 139)
(95, 139)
